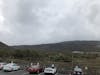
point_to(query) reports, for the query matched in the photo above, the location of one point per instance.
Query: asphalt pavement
(21, 72)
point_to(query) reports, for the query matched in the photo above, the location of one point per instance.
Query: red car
(35, 69)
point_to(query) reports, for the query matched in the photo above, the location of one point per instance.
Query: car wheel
(30, 73)
(45, 74)
(19, 69)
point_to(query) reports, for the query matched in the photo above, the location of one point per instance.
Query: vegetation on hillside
(48, 56)
(61, 55)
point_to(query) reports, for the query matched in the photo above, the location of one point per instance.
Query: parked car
(50, 70)
(2, 65)
(11, 67)
(35, 68)
(77, 71)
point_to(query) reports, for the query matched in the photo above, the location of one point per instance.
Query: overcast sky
(24, 22)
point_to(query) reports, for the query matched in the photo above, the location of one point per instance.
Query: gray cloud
(47, 21)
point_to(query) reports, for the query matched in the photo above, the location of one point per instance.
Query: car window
(14, 64)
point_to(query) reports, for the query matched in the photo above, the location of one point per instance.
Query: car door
(15, 67)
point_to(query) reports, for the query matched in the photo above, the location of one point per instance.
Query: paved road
(21, 72)
(12, 73)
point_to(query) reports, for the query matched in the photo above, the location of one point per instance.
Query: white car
(50, 70)
(77, 71)
(11, 67)
(2, 65)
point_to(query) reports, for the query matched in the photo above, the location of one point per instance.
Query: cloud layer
(48, 21)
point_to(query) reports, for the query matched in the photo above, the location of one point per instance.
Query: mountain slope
(65, 46)
(4, 46)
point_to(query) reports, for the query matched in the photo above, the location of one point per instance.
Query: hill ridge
(64, 46)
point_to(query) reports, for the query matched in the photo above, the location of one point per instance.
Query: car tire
(30, 73)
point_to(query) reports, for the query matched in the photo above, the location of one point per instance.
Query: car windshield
(14, 64)
(35, 66)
